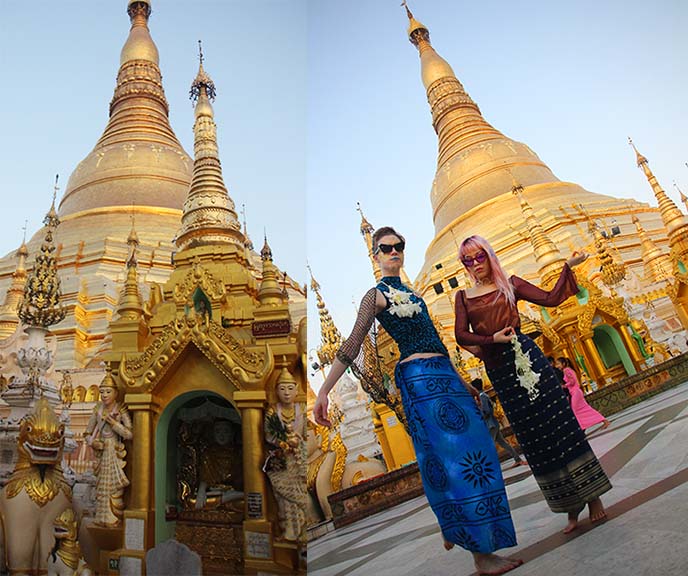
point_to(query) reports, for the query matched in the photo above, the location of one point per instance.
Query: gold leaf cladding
(214, 342)
(199, 277)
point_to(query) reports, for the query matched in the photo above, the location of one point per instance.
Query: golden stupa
(159, 281)
(478, 168)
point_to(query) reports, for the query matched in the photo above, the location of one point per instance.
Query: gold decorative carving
(217, 344)
(199, 277)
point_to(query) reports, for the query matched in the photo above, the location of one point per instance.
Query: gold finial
(640, 158)
(416, 30)
(408, 12)
(683, 196)
(42, 292)
(266, 251)
(269, 292)
(26, 224)
(330, 337)
(366, 227)
(202, 80)
(249, 242)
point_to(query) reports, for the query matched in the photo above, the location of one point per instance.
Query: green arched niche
(166, 457)
(611, 348)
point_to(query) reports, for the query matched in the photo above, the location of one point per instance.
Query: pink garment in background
(585, 414)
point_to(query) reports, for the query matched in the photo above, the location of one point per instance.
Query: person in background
(586, 415)
(487, 410)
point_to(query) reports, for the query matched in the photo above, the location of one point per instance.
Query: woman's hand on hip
(504, 336)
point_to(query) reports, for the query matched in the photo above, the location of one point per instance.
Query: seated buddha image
(210, 472)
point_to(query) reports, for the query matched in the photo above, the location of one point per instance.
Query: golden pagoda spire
(138, 143)
(248, 243)
(269, 292)
(613, 270)
(331, 338)
(41, 303)
(657, 265)
(546, 253)
(209, 216)
(684, 199)
(449, 102)
(473, 156)
(367, 230)
(130, 305)
(9, 317)
(671, 215)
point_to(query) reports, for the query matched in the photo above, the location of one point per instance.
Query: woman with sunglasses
(457, 460)
(487, 323)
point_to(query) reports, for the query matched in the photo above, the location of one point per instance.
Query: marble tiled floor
(645, 454)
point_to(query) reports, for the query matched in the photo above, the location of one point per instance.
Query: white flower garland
(401, 304)
(526, 377)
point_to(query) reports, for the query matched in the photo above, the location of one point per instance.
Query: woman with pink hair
(487, 324)
(585, 414)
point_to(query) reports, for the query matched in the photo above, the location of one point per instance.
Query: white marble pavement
(645, 454)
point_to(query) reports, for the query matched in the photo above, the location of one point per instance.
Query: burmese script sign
(258, 545)
(254, 505)
(271, 327)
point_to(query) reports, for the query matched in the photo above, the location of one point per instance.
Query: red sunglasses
(469, 261)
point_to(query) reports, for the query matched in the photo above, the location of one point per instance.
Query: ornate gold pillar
(596, 365)
(142, 451)
(139, 516)
(259, 549)
(252, 404)
(631, 346)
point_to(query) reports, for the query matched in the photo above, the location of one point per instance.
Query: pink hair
(499, 277)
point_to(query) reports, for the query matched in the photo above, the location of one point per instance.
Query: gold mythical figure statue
(65, 559)
(285, 431)
(36, 493)
(109, 426)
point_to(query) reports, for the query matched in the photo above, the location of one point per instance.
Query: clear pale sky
(572, 80)
(59, 62)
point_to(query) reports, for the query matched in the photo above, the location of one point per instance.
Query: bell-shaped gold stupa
(477, 169)
(137, 167)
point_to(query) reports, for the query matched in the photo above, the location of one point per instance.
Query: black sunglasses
(470, 261)
(387, 248)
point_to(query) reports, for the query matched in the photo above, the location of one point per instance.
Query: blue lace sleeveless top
(413, 332)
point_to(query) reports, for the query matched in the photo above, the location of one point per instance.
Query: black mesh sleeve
(349, 350)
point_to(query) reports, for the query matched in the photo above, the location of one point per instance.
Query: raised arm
(348, 351)
(565, 287)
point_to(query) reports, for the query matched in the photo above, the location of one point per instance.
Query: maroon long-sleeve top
(478, 318)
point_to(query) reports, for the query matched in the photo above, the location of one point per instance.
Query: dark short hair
(385, 231)
(565, 361)
(477, 383)
(550, 359)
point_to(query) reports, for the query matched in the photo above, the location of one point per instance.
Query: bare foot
(492, 565)
(597, 511)
(605, 424)
(573, 522)
(448, 545)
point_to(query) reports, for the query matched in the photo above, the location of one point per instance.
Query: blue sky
(571, 80)
(59, 62)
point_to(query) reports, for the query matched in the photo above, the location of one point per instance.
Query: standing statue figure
(109, 426)
(285, 431)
